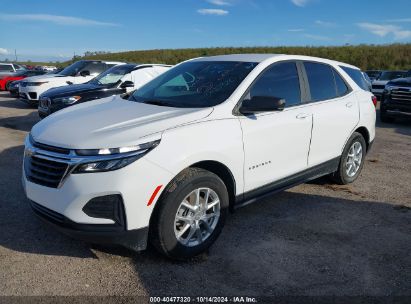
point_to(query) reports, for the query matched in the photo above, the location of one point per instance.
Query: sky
(57, 29)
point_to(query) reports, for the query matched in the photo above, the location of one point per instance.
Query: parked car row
(393, 89)
(82, 81)
(165, 163)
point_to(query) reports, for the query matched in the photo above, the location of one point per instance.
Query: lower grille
(45, 172)
(50, 215)
(33, 95)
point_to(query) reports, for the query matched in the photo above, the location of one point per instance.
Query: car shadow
(295, 244)
(20, 229)
(15, 103)
(21, 123)
(400, 125)
(288, 244)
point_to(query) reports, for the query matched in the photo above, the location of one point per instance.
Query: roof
(262, 57)
(238, 57)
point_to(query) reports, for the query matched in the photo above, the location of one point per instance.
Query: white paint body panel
(189, 136)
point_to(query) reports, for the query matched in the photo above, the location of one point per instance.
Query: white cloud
(3, 51)
(400, 20)
(383, 30)
(300, 3)
(60, 20)
(212, 11)
(296, 30)
(219, 2)
(325, 23)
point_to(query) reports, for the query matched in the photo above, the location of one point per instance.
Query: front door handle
(349, 104)
(302, 116)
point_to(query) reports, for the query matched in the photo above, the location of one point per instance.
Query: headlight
(114, 158)
(68, 100)
(36, 84)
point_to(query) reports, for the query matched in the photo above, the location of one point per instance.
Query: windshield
(391, 75)
(112, 76)
(195, 84)
(72, 70)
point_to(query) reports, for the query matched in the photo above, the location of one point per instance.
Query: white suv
(81, 71)
(206, 136)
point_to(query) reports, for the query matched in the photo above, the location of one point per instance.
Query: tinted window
(6, 68)
(342, 88)
(113, 75)
(391, 75)
(96, 67)
(194, 84)
(321, 81)
(280, 81)
(357, 76)
(74, 69)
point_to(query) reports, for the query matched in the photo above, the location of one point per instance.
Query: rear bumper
(135, 239)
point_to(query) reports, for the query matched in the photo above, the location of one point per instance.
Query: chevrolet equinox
(167, 164)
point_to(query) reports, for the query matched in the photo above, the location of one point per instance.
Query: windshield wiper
(157, 103)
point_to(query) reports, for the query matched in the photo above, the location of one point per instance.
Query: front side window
(74, 69)
(6, 68)
(280, 81)
(112, 76)
(95, 68)
(195, 84)
(321, 81)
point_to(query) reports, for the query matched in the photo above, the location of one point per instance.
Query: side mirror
(85, 73)
(127, 84)
(262, 104)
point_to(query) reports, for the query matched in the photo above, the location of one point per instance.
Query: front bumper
(135, 239)
(397, 108)
(135, 184)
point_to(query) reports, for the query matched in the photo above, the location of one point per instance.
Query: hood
(403, 82)
(72, 90)
(110, 123)
(43, 77)
(380, 82)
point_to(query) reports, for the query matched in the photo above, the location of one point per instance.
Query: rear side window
(357, 76)
(321, 81)
(280, 81)
(342, 88)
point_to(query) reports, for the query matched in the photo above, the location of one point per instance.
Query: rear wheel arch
(365, 133)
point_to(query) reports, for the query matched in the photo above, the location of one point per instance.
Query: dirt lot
(315, 239)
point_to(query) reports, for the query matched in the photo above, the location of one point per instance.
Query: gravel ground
(314, 239)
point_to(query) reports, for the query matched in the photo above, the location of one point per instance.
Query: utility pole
(15, 54)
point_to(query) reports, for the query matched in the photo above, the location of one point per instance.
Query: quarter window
(357, 76)
(321, 81)
(280, 81)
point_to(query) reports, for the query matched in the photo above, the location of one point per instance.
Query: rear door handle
(349, 104)
(302, 116)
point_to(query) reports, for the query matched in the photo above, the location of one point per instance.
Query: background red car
(6, 79)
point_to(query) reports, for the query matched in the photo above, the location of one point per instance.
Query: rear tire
(351, 161)
(179, 216)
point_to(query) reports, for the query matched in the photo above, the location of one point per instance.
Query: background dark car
(396, 99)
(373, 74)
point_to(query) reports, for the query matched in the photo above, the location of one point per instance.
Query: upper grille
(45, 172)
(23, 84)
(401, 95)
(50, 148)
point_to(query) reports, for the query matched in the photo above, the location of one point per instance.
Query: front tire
(190, 215)
(351, 161)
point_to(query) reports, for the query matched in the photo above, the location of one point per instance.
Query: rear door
(335, 112)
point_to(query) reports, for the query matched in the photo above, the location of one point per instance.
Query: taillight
(374, 100)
